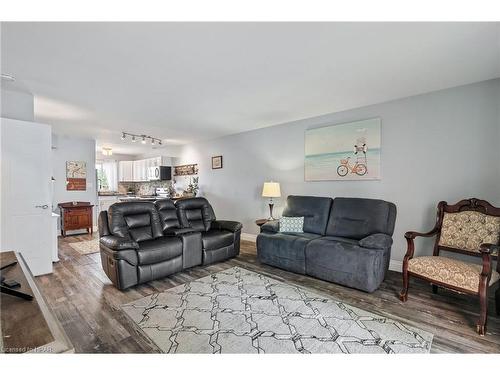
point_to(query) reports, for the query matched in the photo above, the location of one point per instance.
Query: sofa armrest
(232, 226)
(177, 231)
(272, 226)
(118, 243)
(376, 241)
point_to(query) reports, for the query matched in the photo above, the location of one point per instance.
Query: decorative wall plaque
(186, 170)
(76, 175)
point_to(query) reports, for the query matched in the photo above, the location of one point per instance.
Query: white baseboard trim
(249, 237)
(394, 265)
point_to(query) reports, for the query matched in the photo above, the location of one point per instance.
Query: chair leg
(483, 314)
(403, 295)
(434, 289)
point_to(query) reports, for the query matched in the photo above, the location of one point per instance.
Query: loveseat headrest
(314, 209)
(168, 214)
(195, 213)
(139, 221)
(357, 218)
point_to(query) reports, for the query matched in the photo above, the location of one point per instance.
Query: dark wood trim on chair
(487, 252)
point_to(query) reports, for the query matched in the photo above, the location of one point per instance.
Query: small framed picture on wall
(217, 162)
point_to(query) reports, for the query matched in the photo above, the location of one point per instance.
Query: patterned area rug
(239, 311)
(86, 247)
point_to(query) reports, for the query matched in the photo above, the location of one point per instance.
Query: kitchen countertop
(114, 194)
(127, 197)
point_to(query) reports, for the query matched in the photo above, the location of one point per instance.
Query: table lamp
(271, 190)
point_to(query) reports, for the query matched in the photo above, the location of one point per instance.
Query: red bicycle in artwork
(358, 168)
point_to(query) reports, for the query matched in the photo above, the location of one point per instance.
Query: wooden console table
(28, 326)
(75, 216)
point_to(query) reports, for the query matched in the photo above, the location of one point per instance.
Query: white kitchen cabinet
(140, 170)
(126, 171)
(137, 170)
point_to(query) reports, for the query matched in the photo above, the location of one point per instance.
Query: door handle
(45, 206)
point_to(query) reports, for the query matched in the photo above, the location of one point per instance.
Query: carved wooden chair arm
(410, 236)
(488, 248)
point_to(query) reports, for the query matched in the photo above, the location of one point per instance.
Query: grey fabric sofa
(345, 240)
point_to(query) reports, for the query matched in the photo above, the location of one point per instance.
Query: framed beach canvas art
(349, 151)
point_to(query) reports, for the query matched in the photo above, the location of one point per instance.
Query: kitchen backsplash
(141, 188)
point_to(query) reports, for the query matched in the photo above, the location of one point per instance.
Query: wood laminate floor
(88, 306)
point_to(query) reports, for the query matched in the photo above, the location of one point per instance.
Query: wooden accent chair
(471, 227)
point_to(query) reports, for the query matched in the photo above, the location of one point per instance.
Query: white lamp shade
(271, 190)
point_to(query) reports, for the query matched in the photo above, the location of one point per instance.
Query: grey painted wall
(437, 146)
(73, 149)
(16, 104)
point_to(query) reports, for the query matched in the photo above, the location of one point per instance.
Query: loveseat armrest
(232, 226)
(376, 241)
(272, 226)
(118, 243)
(177, 231)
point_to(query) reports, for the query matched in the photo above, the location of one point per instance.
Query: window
(107, 175)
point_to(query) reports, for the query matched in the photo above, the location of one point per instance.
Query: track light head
(123, 136)
(133, 138)
(143, 140)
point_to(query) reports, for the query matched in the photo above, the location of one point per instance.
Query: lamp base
(271, 205)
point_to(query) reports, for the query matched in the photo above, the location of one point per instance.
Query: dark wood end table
(261, 222)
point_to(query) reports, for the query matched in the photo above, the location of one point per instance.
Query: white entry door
(25, 173)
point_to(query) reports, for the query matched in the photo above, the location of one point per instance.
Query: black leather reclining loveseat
(345, 240)
(144, 241)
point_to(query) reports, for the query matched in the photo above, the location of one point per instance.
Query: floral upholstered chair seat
(449, 271)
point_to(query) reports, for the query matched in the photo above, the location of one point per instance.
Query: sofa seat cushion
(344, 262)
(340, 239)
(215, 239)
(284, 250)
(159, 250)
(450, 271)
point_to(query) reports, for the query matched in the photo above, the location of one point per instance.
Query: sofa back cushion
(168, 214)
(138, 221)
(357, 218)
(195, 213)
(315, 211)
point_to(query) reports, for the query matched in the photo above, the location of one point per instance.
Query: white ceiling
(184, 82)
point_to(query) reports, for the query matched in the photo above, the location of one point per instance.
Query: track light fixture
(143, 138)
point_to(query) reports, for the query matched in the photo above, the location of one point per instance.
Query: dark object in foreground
(6, 287)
